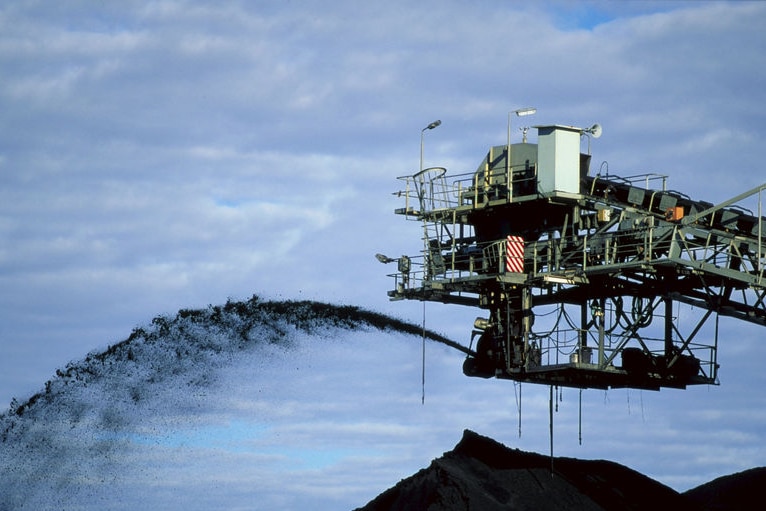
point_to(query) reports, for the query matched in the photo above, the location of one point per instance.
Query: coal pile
(743, 490)
(482, 474)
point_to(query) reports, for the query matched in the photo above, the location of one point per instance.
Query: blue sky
(165, 155)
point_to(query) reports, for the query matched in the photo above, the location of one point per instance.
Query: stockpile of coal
(482, 474)
(743, 490)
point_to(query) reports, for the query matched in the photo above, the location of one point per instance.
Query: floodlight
(384, 259)
(432, 125)
(521, 112)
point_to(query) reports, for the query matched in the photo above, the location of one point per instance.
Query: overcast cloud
(156, 155)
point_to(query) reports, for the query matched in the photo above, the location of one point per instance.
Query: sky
(164, 155)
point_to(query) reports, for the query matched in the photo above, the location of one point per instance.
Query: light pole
(421, 194)
(422, 133)
(521, 112)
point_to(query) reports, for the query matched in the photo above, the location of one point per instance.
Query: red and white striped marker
(514, 254)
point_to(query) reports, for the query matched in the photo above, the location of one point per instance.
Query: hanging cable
(642, 313)
(579, 420)
(518, 402)
(423, 360)
(559, 310)
(519, 409)
(550, 424)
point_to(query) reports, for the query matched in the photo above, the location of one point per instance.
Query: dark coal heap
(482, 474)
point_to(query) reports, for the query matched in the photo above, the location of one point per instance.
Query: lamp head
(521, 112)
(432, 125)
(384, 259)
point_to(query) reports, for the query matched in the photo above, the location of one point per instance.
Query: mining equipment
(588, 280)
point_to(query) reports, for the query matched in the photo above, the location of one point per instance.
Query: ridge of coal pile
(742, 490)
(482, 474)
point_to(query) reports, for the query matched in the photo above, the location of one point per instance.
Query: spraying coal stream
(165, 417)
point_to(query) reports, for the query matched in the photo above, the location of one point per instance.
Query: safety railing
(648, 239)
(583, 252)
(429, 190)
(557, 339)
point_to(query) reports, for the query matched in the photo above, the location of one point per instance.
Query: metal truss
(622, 285)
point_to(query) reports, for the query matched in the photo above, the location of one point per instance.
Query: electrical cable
(579, 420)
(518, 402)
(423, 368)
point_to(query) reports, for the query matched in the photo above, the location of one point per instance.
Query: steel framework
(617, 282)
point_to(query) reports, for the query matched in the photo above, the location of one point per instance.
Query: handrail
(696, 216)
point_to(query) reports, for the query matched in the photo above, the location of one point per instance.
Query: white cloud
(163, 155)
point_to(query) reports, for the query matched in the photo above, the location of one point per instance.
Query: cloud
(164, 155)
